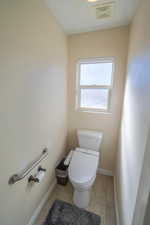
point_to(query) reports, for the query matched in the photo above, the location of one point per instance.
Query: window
(94, 84)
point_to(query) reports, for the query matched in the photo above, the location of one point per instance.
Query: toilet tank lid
(90, 133)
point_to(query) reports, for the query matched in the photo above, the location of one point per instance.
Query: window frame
(80, 87)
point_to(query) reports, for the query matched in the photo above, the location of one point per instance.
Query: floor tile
(102, 200)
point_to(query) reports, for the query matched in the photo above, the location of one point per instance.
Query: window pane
(94, 98)
(96, 73)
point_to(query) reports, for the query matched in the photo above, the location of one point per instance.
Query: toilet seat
(87, 151)
(83, 166)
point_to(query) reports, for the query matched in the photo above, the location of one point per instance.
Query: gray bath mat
(62, 213)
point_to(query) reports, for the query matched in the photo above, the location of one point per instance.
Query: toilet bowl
(83, 167)
(82, 174)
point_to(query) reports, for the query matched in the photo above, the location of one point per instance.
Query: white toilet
(83, 166)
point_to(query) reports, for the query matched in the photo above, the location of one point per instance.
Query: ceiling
(78, 16)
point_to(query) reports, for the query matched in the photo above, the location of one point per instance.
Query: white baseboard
(116, 202)
(105, 172)
(40, 206)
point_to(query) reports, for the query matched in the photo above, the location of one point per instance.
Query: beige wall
(33, 60)
(134, 134)
(106, 43)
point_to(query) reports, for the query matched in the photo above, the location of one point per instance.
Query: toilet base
(81, 198)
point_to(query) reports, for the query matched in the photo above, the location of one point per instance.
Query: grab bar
(16, 177)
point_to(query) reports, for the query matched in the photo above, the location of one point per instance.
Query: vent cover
(105, 10)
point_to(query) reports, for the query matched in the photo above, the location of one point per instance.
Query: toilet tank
(89, 139)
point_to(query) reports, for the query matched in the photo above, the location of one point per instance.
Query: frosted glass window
(94, 98)
(96, 73)
(94, 84)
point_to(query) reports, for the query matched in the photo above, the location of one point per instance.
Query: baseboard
(105, 172)
(40, 206)
(116, 202)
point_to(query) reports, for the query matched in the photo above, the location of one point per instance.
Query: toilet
(83, 165)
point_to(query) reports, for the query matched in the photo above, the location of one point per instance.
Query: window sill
(93, 111)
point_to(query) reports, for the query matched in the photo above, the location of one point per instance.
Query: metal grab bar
(16, 177)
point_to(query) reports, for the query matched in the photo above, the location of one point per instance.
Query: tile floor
(102, 200)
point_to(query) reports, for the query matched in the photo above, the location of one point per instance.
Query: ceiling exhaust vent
(105, 10)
